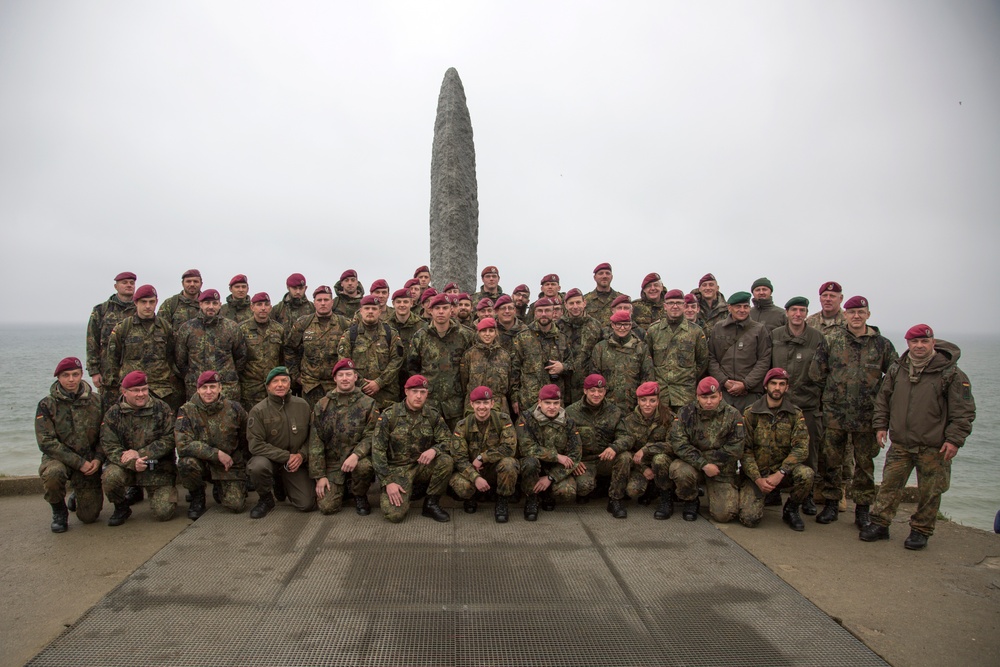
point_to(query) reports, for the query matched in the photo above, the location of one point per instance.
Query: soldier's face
(709, 289)
(520, 299)
(70, 380)
(626, 307)
(382, 294)
(776, 389)
(464, 309)
(297, 291)
(674, 308)
(402, 307)
(323, 303)
(441, 313)
(239, 290)
(830, 302)
(506, 313)
(415, 292)
(261, 311)
(209, 392)
(345, 379)
(857, 319)
(482, 409)
(576, 306)
(416, 397)
(543, 314)
(210, 307)
(550, 407)
(423, 278)
(192, 286)
(740, 311)
(369, 314)
(137, 397)
(648, 405)
(485, 312)
(550, 289)
(490, 281)
(557, 311)
(653, 290)
(349, 284)
(797, 315)
(453, 290)
(595, 395)
(488, 335)
(621, 329)
(125, 289)
(691, 311)
(920, 348)
(146, 308)
(762, 292)
(279, 386)
(710, 401)
(603, 279)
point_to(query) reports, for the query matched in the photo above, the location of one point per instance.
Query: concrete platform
(575, 588)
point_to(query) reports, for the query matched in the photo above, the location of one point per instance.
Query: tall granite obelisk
(454, 194)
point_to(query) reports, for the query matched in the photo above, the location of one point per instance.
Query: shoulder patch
(250, 422)
(966, 391)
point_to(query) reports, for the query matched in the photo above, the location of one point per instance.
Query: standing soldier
(830, 316)
(583, 332)
(520, 298)
(600, 298)
(490, 289)
(413, 287)
(349, 293)
(624, 361)
(68, 428)
(211, 439)
(211, 343)
(711, 302)
(926, 406)
(764, 310)
(858, 358)
(485, 455)
(679, 352)
(295, 304)
(406, 323)
(411, 445)
(487, 364)
(648, 308)
(484, 309)
(237, 306)
(739, 354)
(649, 426)
(340, 442)
(103, 319)
(550, 449)
(508, 326)
(422, 274)
(183, 306)
(550, 290)
(541, 356)
(311, 347)
(376, 351)
(463, 311)
(265, 350)
(436, 354)
(137, 436)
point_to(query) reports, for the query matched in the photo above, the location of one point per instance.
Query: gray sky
(853, 141)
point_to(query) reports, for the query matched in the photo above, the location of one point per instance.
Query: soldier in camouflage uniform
(490, 289)
(145, 342)
(103, 319)
(549, 448)
(520, 298)
(707, 438)
(311, 347)
(624, 362)
(463, 311)
(649, 427)
(237, 306)
(600, 298)
(265, 350)
(377, 352)
(183, 306)
(487, 364)
(340, 442)
(137, 436)
(541, 356)
(211, 343)
(550, 290)
(349, 293)
(485, 453)
(830, 316)
(422, 274)
(295, 304)
(436, 354)
(68, 428)
(380, 290)
(508, 325)
(406, 323)
(739, 354)
(484, 309)
(211, 439)
(412, 444)
(774, 453)
(583, 332)
(679, 353)
(858, 357)
(764, 310)
(926, 406)
(648, 308)
(606, 445)
(712, 306)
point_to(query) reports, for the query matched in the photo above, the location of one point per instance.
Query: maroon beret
(521, 289)
(573, 293)
(674, 295)
(379, 284)
(486, 323)
(439, 300)
(831, 286)
(450, 286)
(488, 270)
(237, 279)
(295, 280)
(603, 266)
(705, 278)
(621, 316)
(856, 302)
(349, 273)
(209, 295)
(401, 294)
(260, 297)
(67, 364)
(463, 297)
(549, 278)
(690, 298)
(209, 376)
(427, 294)
(416, 382)
(421, 269)
(191, 273)
(650, 278)
(779, 373)
(484, 303)
(549, 392)
(144, 292)
(322, 289)
(125, 275)
(919, 331)
(345, 363)
(620, 299)
(594, 380)
(410, 283)
(369, 300)
(502, 300)
(134, 379)
(544, 301)
(708, 386)
(453, 299)
(647, 389)
(480, 394)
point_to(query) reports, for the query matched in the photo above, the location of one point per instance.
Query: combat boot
(433, 510)
(122, 512)
(829, 513)
(362, 506)
(133, 495)
(873, 532)
(915, 541)
(531, 507)
(60, 517)
(470, 506)
(548, 502)
(772, 499)
(862, 517)
(648, 495)
(616, 508)
(197, 505)
(279, 488)
(217, 493)
(501, 513)
(71, 502)
(665, 508)
(790, 515)
(265, 504)
(809, 507)
(690, 511)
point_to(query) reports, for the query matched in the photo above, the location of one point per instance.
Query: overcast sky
(804, 141)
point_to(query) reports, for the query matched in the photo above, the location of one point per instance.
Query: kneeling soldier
(649, 425)
(549, 446)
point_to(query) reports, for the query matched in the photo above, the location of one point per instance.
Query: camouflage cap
(67, 364)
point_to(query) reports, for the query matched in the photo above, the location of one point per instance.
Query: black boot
(60, 517)
(531, 507)
(862, 517)
(647, 497)
(71, 502)
(197, 505)
(773, 499)
(217, 493)
(665, 508)
(616, 508)
(279, 489)
(265, 504)
(690, 511)
(873, 532)
(470, 506)
(433, 510)
(548, 502)
(122, 512)
(829, 513)
(790, 515)
(133, 495)
(915, 541)
(501, 513)
(809, 507)
(362, 506)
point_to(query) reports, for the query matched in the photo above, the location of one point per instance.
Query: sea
(28, 353)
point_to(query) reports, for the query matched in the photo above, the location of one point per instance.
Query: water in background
(28, 354)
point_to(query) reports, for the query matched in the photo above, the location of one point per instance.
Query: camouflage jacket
(853, 367)
(599, 304)
(377, 353)
(278, 428)
(533, 348)
(311, 350)
(775, 439)
(439, 359)
(768, 314)
(407, 329)
(646, 312)
(103, 319)
(740, 351)
(506, 336)
(68, 428)
(402, 435)
(493, 440)
(600, 427)
(487, 366)
(149, 430)
(709, 316)
(483, 294)
(345, 304)
(202, 431)
(288, 311)
(215, 344)
(342, 424)
(147, 346)
(680, 359)
(544, 439)
(178, 309)
(583, 334)
(625, 364)
(795, 355)
(651, 435)
(700, 437)
(237, 310)
(825, 326)
(265, 350)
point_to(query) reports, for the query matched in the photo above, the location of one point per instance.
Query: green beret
(797, 301)
(739, 297)
(275, 372)
(762, 282)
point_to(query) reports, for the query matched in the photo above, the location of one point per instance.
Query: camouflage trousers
(617, 469)
(563, 491)
(800, 480)
(660, 467)
(723, 496)
(502, 477)
(252, 393)
(360, 480)
(299, 487)
(175, 399)
(192, 473)
(162, 499)
(89, 500)
(435, 475)
(933, 479)
(836, 444)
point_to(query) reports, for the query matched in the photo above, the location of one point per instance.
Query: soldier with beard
(583, 333)
(183, 306)
(520, 297)
(294, 304)
(211, 343)
(436, 354)
(600, 298)
(376, 351)
(311, 346)
(265, 350)
(541, 356)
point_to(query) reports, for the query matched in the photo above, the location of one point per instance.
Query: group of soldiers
(492, 396)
